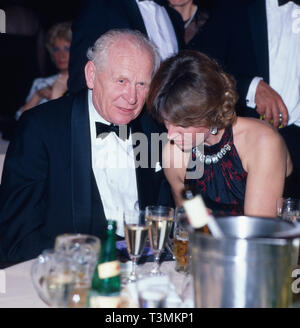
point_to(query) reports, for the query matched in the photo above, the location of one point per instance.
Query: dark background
(50, 11)
(23, 56)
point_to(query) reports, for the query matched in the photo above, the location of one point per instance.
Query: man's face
(120, 89)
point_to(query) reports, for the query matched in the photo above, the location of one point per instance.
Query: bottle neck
(108, 249)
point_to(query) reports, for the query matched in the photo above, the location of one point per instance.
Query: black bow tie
(122, 131)
(283, 2)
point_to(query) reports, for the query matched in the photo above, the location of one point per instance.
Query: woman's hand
(45, 92)
(59, 87)
(37, 97)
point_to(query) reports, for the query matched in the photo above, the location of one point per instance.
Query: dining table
(17, 290)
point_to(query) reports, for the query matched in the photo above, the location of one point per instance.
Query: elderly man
(59, 176)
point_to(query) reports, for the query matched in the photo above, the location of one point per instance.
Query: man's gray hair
(98, 53)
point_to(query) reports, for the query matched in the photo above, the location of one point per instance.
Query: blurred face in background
(61, 54)
(179, 3)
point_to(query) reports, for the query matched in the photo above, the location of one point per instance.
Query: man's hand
(270, 105)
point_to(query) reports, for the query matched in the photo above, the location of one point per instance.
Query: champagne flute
(136, 233)
(160, 220)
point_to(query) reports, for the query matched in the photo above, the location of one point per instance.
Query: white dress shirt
(114, 169)
(159, 28)
(284, 57)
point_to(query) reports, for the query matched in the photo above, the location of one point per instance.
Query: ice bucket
(246, 268)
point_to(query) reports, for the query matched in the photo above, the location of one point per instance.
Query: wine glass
(160, 220)
(136, 233)
(288, 209)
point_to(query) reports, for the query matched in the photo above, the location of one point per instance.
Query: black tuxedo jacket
(257, 18)
(236, 36)
(48, 187)
(97, 17)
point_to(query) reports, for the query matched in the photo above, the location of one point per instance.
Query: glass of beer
(181, 241)
(82, 252)
(53, 278)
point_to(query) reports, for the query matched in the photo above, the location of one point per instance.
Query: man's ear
(90, 74)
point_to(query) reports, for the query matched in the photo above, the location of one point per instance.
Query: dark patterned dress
(223, 184)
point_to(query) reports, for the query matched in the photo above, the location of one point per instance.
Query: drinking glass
(181, 241)
(160, 220)
(153, 291)
(53, 278)
(82, 251)
(288, 209)
(136, 234)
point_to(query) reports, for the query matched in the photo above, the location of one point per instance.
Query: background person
(195, 13)
(52, 87)
(258, 43)
(245, 160)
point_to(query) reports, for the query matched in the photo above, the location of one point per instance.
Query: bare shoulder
(255, 132)
(255, 139)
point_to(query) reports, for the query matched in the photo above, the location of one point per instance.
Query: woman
(194, 13)
(52, 87)
(248, 161)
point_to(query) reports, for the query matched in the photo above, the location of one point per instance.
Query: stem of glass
(155, 269)
(133, 276)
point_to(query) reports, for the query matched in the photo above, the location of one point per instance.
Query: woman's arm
(36, 98)
(32, 102)
(174, 164)
(267, 168)
(54, 91)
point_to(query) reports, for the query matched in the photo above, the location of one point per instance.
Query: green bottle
(106, 285)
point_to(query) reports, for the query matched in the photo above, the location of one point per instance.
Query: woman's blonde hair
(58, 31)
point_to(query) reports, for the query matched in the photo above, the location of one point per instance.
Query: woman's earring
(213, 130)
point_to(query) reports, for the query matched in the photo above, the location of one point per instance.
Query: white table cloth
(20, 293)
(19, 290)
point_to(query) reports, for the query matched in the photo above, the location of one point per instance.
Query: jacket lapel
(143, 175)
(81, 166)
(259, 29)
